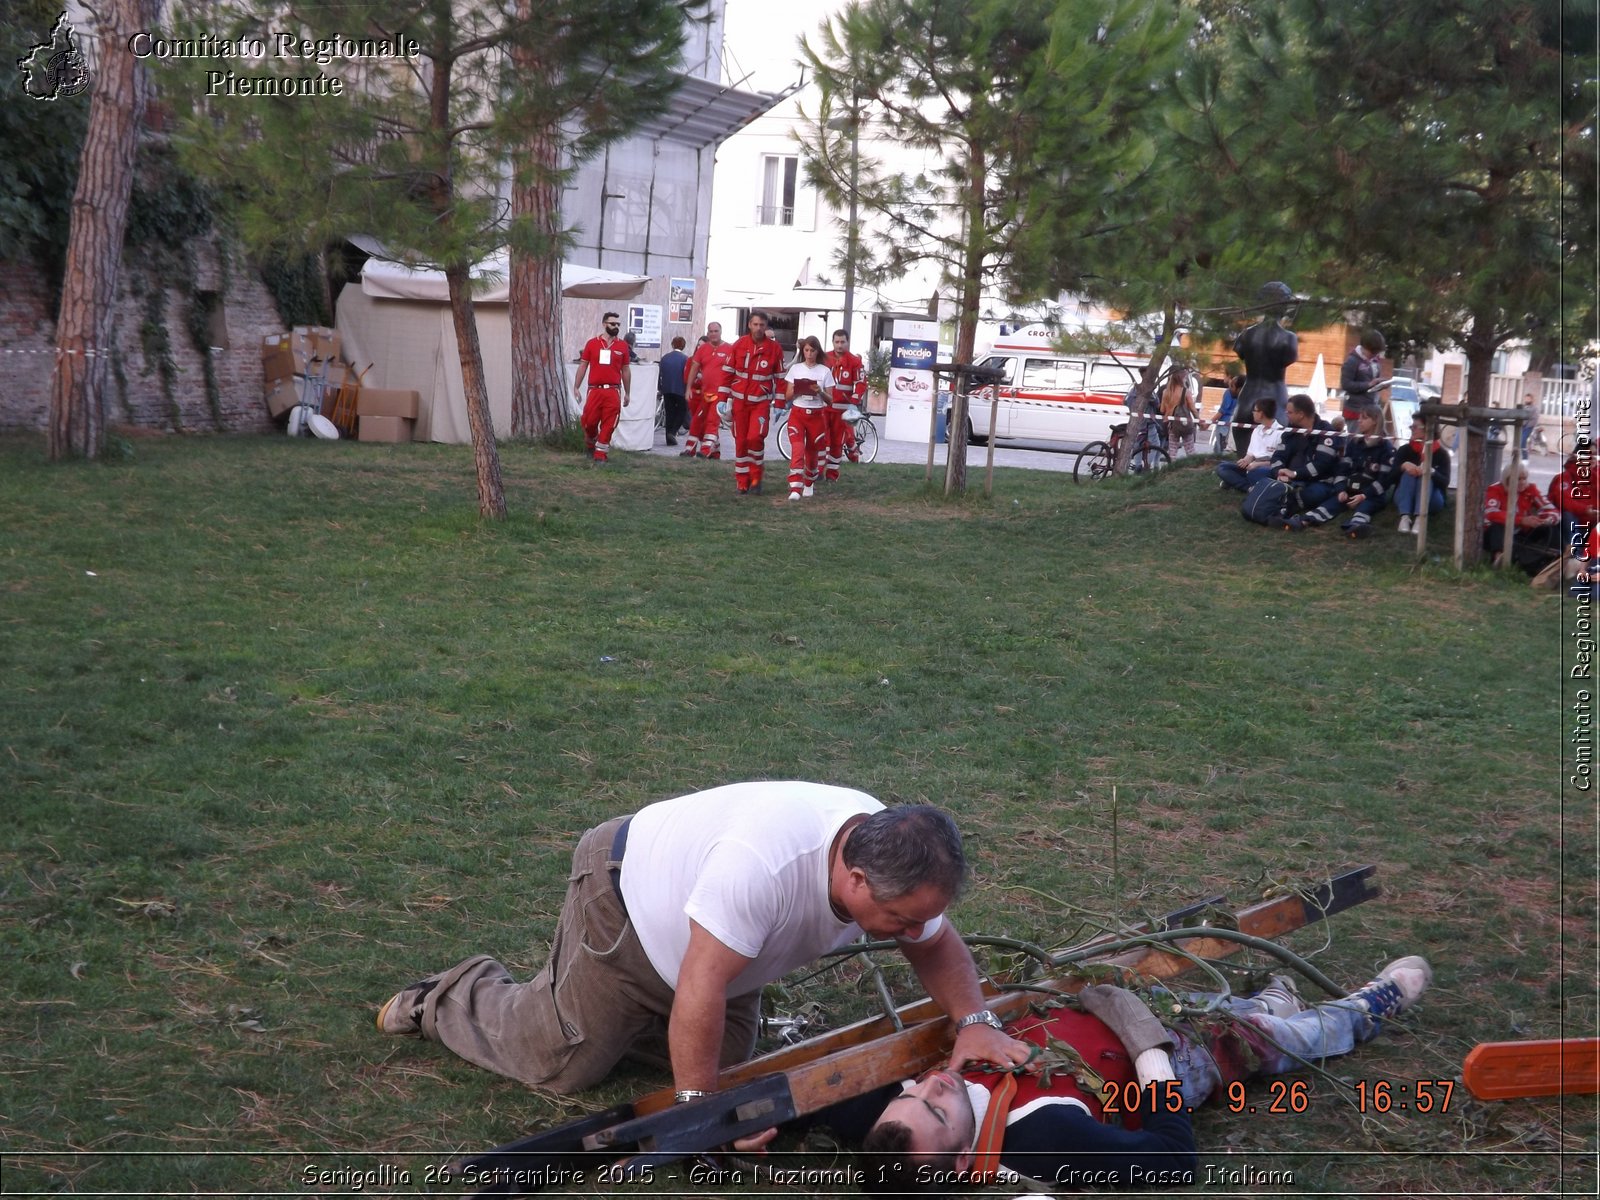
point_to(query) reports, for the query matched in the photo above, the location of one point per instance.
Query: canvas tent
(397, 318)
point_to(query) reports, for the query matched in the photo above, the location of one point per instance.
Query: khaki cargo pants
(596, 999)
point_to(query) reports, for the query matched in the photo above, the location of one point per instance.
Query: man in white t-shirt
(677, 916)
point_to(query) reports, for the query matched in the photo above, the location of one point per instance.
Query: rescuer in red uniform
(605, 361)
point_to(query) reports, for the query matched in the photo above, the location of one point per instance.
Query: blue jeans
(1283, 1043)
(1232, 475)
(1405, 496)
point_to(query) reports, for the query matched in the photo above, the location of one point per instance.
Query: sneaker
(1408, 524)
(1295, 523)
(686, 454)
(1281, 996)
(401, 1014)
(808, 490)
(1396, 988)
(794, 495)
(1364, 530)
(755, 489)
(672, 441)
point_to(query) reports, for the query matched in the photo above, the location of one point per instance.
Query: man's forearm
(946, 969)
(694, 1040)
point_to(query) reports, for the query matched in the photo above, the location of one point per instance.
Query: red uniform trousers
(750, 421)
(808, 440)
(841, 440)
(704, 421)
(602, 409)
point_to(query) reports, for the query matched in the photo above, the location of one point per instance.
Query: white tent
(398, 319)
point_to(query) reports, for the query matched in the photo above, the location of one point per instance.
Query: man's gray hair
(900, 849)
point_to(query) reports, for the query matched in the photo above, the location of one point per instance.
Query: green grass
(286, 727)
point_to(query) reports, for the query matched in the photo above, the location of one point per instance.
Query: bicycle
(860, 424)
(1098, 460)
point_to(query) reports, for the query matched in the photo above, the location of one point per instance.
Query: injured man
(1105, 1101)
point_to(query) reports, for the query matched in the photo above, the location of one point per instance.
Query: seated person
(1053, 1129)
(1265, 439)
(1538, 522)
(1309, 458)
(1409, 472)
(1572, 492)
(1367, 465)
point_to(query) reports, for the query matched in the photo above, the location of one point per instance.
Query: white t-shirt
(748, 862)
(819, 375)
(1265, 440)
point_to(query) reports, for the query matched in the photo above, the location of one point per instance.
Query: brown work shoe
(401, 1014)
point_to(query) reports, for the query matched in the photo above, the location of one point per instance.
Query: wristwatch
(982, 1017)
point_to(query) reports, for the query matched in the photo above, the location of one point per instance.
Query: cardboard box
(384, 402)
(281, 396)
(317, 341)
(384, 429)
(283, 364)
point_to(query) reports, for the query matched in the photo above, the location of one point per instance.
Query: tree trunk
(94, 249)
(1470, 482)
(538, 382)
(955, 474)
(485, 455)
(1146, 387)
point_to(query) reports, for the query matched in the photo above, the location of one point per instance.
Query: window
(780, 175)
(1108, 375)
(1052, 375)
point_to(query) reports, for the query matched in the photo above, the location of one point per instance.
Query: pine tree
(1023, 108)
(595, 70)
(1420, 151)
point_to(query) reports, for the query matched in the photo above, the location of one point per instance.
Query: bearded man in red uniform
(708, 371)
(849, 387)
(751, 383)
(605, 361)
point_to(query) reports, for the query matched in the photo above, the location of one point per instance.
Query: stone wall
(243, 314)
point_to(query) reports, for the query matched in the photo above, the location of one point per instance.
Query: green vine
(297, 289)
(119, 374)
(199, 324)
(157, 344)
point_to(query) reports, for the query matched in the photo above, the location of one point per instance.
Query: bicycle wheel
(1149, 458)
(866, 439)
(783, 435)
(1095, 461)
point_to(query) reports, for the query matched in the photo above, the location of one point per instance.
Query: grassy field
(286, 727)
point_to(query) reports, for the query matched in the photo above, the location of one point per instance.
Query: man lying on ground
(1113, 1063)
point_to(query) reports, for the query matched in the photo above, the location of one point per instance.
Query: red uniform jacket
(1088, 1035)
(1572, 491)
(1529, 504)
(754, 369)
(849, 378)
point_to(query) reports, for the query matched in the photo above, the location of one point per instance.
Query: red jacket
(849, 377)
(1572, 491)
(1530, 504)
(1101, 1051)
(754, 369)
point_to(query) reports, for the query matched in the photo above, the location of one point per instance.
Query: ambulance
(1050, 396)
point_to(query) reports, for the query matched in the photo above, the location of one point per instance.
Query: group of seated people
(1356, 474)
(1332, 473)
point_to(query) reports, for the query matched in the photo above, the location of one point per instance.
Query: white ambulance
(1050, 396)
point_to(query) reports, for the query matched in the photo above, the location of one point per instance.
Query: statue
(1267, 349)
